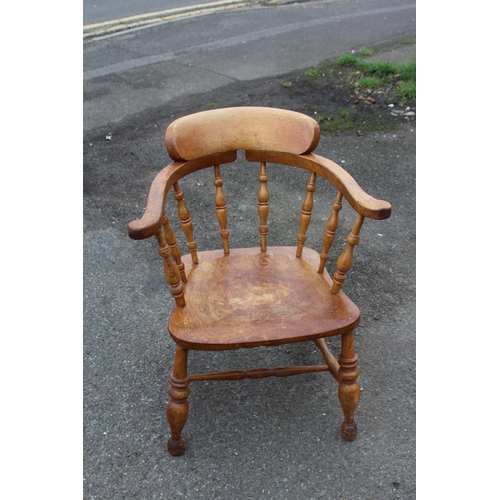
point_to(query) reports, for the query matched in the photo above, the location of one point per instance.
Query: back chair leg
(348, 385)
(178, 407)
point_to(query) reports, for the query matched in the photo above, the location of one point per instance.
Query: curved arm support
(151, 221)
(362, 202)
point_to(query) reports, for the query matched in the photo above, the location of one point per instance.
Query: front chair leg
(348, 385)
(178, 407)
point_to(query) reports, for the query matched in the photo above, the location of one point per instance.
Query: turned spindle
(186, 224)
(221, 209)
(345, 260)
(174, 247)
(331, 228)
(305, 216)
(263, 206)
(170, 270)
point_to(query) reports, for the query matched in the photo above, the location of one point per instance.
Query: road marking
(234, 40)
(115, 25)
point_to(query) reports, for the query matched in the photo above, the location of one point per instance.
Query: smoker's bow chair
(263, 296)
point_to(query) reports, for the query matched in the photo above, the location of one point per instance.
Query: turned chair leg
(178, 407)
(348, 385)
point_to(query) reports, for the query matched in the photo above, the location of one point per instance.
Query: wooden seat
(264, 296)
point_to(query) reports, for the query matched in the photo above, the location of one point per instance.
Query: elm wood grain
(255, 296)
(258, 299)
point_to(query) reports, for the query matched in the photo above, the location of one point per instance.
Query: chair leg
(178, 407)
(348, 385)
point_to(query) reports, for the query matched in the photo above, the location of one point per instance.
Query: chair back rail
(230, 129)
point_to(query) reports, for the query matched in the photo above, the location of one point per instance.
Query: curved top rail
(241, 128)
(363, 203)
(151, 221)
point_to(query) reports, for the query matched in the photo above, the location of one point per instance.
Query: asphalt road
(148, 68)
(272, 438)
(99, 11)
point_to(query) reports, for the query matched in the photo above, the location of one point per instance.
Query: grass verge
(372, 92)
(382, 76)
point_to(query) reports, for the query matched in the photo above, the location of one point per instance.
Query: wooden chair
(263, 296)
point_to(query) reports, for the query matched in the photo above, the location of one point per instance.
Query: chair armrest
(362, 202)
(152, 219)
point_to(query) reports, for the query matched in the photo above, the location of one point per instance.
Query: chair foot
(349, 431)
(178, 407)
(348, 385)
(175, 448)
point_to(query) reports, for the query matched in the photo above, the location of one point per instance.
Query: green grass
(380, 69)
(407, 90)
(365, 52)
(379, 75)
(409, 71)
(347, 60)
(348, 122)
(368, 82)
(312, 72)
(408, 42)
